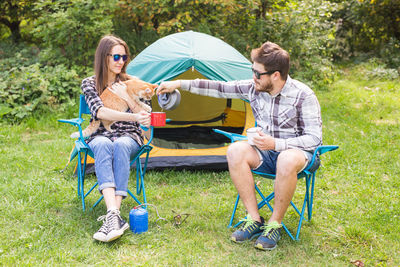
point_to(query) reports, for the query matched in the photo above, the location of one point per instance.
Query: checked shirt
(292, 117)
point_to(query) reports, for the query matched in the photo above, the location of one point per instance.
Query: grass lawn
(356, 207)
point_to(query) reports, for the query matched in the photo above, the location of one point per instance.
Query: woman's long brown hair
(101, 61)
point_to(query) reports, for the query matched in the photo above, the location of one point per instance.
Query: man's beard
(265, 88)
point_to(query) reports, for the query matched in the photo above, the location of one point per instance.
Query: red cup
(158, 118)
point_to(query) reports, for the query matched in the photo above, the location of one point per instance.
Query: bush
(27, 87)
(376, 68)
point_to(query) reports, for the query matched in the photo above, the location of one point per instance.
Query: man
(289, 114)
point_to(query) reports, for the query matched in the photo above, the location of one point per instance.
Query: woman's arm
(120, 90)
(141, 117)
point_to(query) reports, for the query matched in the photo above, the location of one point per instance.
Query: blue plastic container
(138, 220)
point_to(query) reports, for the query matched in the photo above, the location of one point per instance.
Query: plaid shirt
(120, 128)
(292, 117)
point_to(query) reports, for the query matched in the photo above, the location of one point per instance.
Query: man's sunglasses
(117, 57)
(258, 74)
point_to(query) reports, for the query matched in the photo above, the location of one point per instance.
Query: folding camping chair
(308, 174)
(82, 150)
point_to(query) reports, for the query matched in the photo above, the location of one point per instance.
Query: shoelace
(104, 227)
(270, 227)
(248, 223)
(109, 221)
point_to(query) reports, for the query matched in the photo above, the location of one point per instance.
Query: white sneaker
(113, 227)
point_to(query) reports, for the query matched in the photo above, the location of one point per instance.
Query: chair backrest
(83, 107)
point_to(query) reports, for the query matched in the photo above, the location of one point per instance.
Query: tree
(71, 29)
(13, 12)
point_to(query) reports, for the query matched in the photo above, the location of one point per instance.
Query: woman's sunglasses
(117, 57)
(258, 74)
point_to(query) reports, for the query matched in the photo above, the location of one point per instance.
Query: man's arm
(310, 123)
(219, 89)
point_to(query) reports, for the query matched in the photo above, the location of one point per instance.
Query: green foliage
(13, 12)
(375, 68)
(368, 26)
(305, 32)
(71, 29)
(27, 87)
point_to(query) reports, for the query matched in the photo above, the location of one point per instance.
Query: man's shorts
(268, 159)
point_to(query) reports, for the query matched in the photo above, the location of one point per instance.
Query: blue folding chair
(308, 174)
(82, 150)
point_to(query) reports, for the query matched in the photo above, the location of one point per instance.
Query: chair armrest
(76, 122)
(319, 151)
(144, 128)
(233, 136)
(151, 129)
(323, 149)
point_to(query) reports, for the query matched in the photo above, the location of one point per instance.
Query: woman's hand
(120, 90)
(143, 118)
(168, 87)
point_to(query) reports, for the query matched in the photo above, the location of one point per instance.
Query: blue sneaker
(249, 230)
(270, 236)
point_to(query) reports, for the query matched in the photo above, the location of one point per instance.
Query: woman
(112, 150)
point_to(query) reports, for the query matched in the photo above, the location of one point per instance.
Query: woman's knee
(125, 145)
(101, 143)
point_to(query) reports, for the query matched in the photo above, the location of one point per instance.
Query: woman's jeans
(112, 162)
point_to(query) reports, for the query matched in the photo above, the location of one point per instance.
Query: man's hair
(101, 61)
(273, 57)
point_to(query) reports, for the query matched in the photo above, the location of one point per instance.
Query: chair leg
(234, 211)
(134, 198)
(140, 172)
(266, 200)
(310, 204)
(80, 181)
(301, 215)
(98, 201)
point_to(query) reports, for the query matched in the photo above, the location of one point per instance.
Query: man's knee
(235, 152)
(242, 152)
(290, 161)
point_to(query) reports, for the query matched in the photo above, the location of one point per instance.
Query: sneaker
(248, 231)
(270, 236)
(112, 228)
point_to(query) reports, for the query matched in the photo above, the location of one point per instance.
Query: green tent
(188, 140)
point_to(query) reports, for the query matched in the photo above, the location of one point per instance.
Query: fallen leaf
(358, 263)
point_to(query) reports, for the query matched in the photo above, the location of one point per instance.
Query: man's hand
(264, 141)
(143, 118)
(168, 87)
